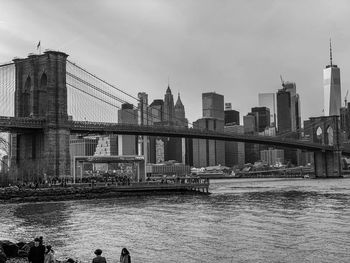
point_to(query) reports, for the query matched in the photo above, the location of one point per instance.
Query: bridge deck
(13, 124)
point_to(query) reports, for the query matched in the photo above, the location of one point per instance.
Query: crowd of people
(39, 253)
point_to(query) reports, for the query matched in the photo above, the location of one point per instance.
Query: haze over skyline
(235, 48)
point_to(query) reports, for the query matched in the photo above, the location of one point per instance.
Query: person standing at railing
(125, 256)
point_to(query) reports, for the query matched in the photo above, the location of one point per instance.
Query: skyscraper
(288, 108)
(127, 144)
(332, 89)
(288, 117)
(143, 108)
(208, 152)
(180, 119)
(155, 111)
(263, 117)
(231, 116)
(213, 105)
(269, 100)
(169, 110)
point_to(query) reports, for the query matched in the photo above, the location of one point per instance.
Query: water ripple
(243, 220)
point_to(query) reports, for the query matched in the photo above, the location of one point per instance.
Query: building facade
(288, 109)
(272, 156)
(128, 144)
(268, 100)
(234, 151)
(231, 117)
(213, 105)
(169, 109)
(208, 152)
(262, 115)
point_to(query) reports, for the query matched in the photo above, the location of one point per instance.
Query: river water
(243, 220)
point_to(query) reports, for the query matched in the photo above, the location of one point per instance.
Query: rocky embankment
(15, 194)
(16, 252)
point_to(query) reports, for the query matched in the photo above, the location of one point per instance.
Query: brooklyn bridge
(42, 101)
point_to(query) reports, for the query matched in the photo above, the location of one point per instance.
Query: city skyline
(201, 47)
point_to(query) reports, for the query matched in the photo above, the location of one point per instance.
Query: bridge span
(28, 124)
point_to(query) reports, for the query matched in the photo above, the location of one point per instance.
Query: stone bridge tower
(41, 92)
(326, 131)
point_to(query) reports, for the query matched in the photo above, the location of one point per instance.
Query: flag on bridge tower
(38, 46)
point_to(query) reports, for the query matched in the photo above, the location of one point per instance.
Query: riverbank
(73, 192)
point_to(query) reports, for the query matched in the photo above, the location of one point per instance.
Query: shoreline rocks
(11, 252)
(15, 195)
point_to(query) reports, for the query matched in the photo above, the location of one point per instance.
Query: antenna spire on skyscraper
(330, 51)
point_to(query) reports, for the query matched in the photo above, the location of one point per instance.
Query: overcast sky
(235, 48)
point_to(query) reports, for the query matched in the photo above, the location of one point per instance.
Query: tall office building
(143, 108)
(288, 108)
(332, 89)
(156, 146)
(269, 100)
(169, 110)
(155, 111)
(288, 118)
(208, 152)
(213, 105)
(165, 113)
(262, 115)
(251, 150)
(180, 118)
(234, 151)
(127, 144)
(231, 116)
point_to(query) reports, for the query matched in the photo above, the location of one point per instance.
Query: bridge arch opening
(26, 97)
(42, 96)
(319, 134)
(329, 136)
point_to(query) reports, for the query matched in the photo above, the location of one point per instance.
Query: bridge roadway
(28, 124)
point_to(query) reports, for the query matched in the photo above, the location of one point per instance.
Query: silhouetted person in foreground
(49, 255)
(125, 256)
(37, 252)
(99, 258)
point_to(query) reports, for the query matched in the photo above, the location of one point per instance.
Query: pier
(185, 185)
